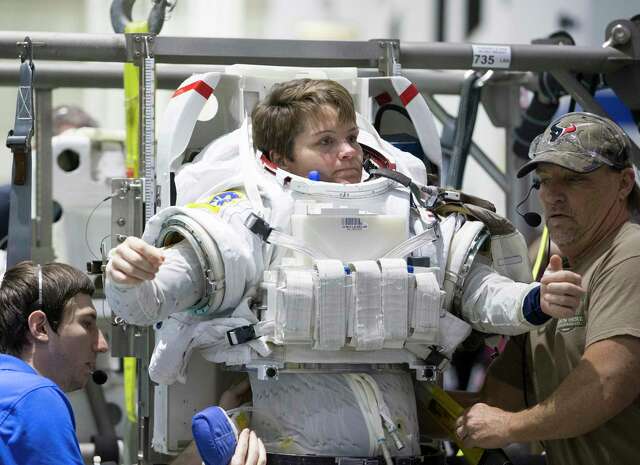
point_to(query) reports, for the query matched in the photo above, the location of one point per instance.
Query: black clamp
(436, 358)
(434, 363)
(241, 335)
(258, 226)
(95, 267)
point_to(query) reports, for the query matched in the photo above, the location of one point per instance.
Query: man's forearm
(603, 384)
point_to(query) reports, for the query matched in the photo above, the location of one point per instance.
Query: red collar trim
(268, 164)
(378, 158)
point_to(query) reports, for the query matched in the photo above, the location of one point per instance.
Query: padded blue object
(214, 435)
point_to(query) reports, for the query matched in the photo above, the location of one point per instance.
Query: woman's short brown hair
(19, 297)
(283, 114)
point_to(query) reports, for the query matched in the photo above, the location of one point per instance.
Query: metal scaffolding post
(42, 250)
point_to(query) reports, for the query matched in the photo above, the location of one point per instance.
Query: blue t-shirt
(37, 426)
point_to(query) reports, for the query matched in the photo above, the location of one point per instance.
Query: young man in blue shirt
(49, 342)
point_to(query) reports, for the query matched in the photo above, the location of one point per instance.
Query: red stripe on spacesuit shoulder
(200, 87)
(408, 94)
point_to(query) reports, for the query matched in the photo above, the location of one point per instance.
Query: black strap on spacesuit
(19, 142)
(442, 197)
(258, 226)
(241, 335)
(401, 179)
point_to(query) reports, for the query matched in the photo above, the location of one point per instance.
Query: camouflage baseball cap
(581, 142)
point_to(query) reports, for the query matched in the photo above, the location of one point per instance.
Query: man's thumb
(555, 263)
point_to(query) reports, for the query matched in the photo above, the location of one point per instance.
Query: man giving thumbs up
(573, 383)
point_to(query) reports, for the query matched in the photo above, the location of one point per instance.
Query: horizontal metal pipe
(363, 54)
(53, 75)
(109, 75)
(65, 46)
(440, 55)
(435, 81)
(266, 52)
(96, 75)
(194, 50)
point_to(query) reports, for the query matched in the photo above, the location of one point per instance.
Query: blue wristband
(531, 308)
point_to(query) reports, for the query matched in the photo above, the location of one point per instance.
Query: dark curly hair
(19, 297)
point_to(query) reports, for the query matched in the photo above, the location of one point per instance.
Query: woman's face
(328, 146)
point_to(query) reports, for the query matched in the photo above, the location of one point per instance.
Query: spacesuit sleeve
(176, 287)
(493, 303)
(179, 284)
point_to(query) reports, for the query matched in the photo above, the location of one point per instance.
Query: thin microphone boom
(531, 218)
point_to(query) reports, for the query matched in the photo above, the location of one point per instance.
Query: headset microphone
(531, 218)
(99, 377)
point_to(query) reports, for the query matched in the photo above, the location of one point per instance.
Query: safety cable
(86, 226)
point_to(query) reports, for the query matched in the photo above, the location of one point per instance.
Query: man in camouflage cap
(598, 142)
(573, 384)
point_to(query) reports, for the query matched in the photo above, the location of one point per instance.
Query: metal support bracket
(389, 60)
(138, 45)
(127, 219)
(42, 247)
(624, 35)
(431, 368)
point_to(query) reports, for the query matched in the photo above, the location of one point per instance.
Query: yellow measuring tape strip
(130, 386)
(132, 106)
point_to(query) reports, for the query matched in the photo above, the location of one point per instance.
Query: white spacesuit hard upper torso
(324, 411)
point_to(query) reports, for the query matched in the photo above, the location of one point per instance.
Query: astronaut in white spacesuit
(311, 149)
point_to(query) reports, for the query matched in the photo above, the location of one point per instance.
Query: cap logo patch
(557, 131)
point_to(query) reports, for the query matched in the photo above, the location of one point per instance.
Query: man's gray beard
(563, 237)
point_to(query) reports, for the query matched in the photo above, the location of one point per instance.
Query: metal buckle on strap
(258, 226)
(241, 335)
(429, 371)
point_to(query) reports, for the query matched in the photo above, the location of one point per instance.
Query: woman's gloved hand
(133, 262)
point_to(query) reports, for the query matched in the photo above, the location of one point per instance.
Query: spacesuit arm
(176, 287)
(493, 303)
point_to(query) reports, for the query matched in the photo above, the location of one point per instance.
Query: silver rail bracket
(389, 59)
(624, 36)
